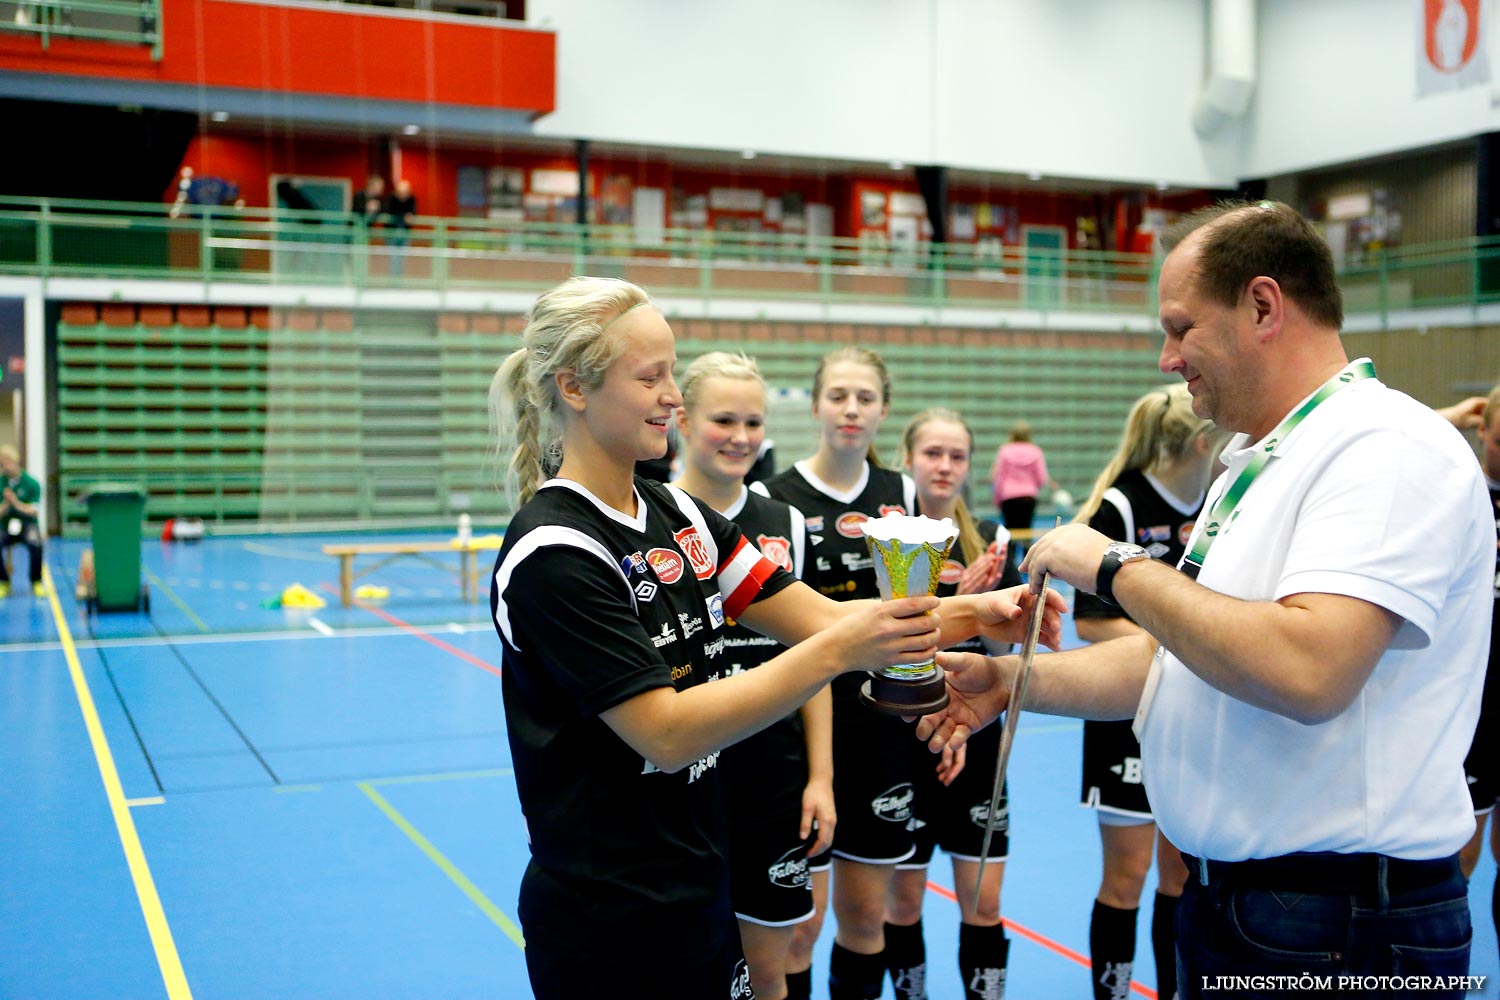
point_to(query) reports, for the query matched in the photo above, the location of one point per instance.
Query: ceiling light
(1162, 185)
(410, 130)
(747, 154)
(897, 165)
(1035, 175)
(219, 116)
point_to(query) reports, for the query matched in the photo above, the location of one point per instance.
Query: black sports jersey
(953, 570)
(779, 531)
(595, 607)
(1136, 510)
(837, 547)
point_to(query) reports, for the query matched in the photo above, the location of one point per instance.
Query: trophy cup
(908, 553)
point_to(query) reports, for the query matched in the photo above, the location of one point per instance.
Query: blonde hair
(566, 331)
(1161, 425)
(723, 364)
(970, 542)
(1491, 407)
(9, 451)
(859, 356)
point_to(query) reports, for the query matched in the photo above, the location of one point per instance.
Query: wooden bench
(467, 561)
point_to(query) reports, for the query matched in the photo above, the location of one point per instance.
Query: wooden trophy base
(909, 698)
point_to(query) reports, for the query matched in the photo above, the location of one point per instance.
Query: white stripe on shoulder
(909, 491)
(1116, 496)
(546, 536)
(759, 486)
(799, 541)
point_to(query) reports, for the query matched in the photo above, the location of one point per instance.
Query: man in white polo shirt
(1311, 675)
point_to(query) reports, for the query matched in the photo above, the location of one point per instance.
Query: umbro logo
(645, 590)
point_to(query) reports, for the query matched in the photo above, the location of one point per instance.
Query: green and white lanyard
(1223, 511)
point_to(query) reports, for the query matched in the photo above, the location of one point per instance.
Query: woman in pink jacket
(1018, 475)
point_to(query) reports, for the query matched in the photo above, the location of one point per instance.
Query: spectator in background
(1018, 475)
(20, 503)
(369, 204)
(400, 209)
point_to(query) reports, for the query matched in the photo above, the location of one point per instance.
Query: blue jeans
(1236, 929)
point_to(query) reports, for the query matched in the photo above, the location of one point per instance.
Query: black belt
(1334, 874)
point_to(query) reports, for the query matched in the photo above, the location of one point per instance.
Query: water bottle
(465, 529)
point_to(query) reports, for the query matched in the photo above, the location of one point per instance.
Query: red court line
(405, 627)
(1045, 942)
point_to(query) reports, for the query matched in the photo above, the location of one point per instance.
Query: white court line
(369, 631)
(321, 627)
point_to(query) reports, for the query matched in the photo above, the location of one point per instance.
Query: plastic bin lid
(100, 491)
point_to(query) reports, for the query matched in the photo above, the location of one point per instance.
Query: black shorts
(1112, 778)
(1481, 766)
(768, 871)
(559, 970)
(953, 817)
(578, 943)
(872, 780)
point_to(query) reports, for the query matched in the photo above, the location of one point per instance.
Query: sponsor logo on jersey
(894, 806)
(704, 765)
(645, 590)
(1185, 531)
(665, 636)
(979, 815)
(750, 640)
(777, 549)
(696, 550)
(689, 624)
(1157, 549)
(953, 571)
(818, 539)
(678, 673)
(790, 870)
(715, 605)
(668, 565)
(891, 508)
(714, 648)
(1154, 533)
(855, 561)
(739, 982)
(815, 524)
(824, 565)
(633, 563)
(849, 522)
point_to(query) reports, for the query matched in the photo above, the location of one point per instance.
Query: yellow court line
(140, 873)
(411, 779)
(156, 582)
(461, 880)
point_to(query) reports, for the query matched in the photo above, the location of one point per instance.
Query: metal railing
(57, 238)
(133, 22)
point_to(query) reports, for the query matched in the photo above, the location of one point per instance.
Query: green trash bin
(115, 514)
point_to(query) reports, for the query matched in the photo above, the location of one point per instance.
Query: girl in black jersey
(953, 800)
(610, 594)
(779, 782)
(837, 489)
(1149, 494)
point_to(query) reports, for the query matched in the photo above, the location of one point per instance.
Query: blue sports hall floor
(224, 800)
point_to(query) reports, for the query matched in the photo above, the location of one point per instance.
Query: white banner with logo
(1453, 41)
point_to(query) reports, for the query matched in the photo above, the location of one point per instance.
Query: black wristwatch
(1117, 555)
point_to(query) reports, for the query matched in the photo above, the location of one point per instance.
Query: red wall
(335, 52)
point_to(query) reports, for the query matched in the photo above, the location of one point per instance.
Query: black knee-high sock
(906, 960)
(983, 954)
(852, 976)
(1112, 951)
(799, 985)
(1164, 945)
